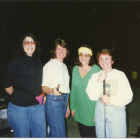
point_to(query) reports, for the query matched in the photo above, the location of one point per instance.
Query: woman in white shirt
(118, 95)
(56, 86)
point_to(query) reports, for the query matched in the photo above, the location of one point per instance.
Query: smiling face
(105, 61)
(29, 46)
(84, 58)
(60, 53)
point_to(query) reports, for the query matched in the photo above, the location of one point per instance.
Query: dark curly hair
(20, 51)
(63, 44)
(91, 61)
(105, 52)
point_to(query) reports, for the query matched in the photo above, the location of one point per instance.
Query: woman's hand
(73, 113)
(67, 112)
(106, 99)
(102, 76)
(48, 90)
(55, 91)
(9, 90)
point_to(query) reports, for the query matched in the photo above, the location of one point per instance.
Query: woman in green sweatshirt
(82, 108)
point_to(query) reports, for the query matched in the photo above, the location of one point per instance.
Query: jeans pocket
(57, 99)
(120, 111)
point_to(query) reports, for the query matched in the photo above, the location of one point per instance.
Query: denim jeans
(56, 107)
(115, 121)
(27, 120)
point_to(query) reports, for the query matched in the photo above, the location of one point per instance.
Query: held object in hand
(41, 98)
(103, 87)
(58, 87)
(104, 110)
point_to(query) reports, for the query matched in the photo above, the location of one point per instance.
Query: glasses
(86, 55)
(106, 59)
(28, 42)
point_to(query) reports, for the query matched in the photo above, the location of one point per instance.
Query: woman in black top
(22, 81)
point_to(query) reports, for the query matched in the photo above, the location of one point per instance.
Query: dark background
(109, 24)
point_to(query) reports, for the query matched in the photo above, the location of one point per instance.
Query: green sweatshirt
(79, 100)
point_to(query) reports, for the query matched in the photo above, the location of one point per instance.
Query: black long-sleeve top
(25, 75)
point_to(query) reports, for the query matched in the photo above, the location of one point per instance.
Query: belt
(62, 93)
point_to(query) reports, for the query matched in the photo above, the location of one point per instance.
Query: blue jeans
(115, 121)
(56, 107)
(26, 120)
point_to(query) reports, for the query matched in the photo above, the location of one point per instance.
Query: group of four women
(26, 78)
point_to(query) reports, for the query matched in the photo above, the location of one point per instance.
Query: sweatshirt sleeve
(124, 93)
(72, 93)
(93, 87)
(11, 72)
